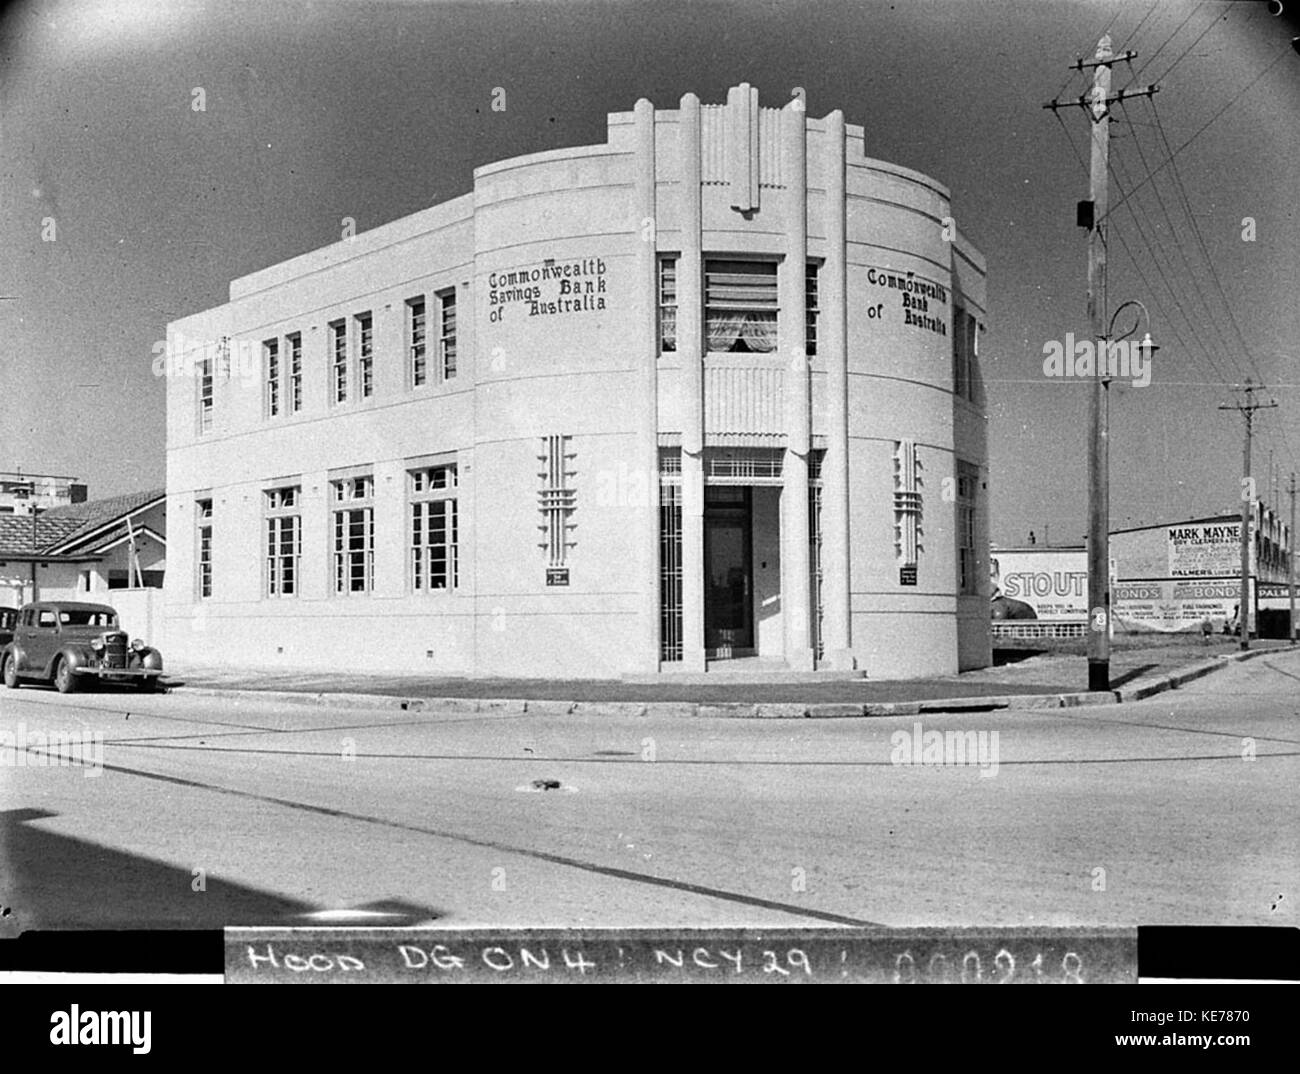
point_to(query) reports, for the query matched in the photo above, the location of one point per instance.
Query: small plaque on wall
(557, 575)
(907, 574)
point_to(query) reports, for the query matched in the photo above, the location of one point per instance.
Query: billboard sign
(1170, 605)
(1205, 550)
(1053, 582)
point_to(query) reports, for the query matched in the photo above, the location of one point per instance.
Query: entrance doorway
(728, 571)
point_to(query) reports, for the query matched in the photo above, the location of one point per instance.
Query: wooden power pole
(1092, 215)
(1290, 563)
(1248, 500)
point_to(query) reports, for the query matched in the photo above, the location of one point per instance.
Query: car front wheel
(11, 672)
(64, 680)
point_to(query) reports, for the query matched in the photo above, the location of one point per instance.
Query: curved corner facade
(708, 391)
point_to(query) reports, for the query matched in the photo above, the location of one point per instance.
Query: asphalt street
(1180, 809)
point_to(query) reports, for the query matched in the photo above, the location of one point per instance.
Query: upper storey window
(667, 303)
(740, 306)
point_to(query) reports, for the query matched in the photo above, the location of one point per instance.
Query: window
(415, 328)
(810, 308)
(283, 541)
(433, 528)
(447, 333)
(967, 562)
(203, 518)
(354, 534)
(667, 304)
(271, 363)
(205, 380)
(295, 372)
(366, 359)
(740, 305)
(339, 361)
(965, 348)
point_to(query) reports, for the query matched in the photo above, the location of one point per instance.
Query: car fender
(14, 650)
(74, 655)
(151, 659)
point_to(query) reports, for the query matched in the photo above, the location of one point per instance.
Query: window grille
(758, 464)
(670, 571)
(670, 462)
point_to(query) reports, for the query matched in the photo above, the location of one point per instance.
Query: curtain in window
(723, 329)
(759, 332)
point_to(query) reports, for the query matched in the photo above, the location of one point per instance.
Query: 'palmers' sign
(553, 287)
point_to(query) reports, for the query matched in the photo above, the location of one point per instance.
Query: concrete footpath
(1040, 680)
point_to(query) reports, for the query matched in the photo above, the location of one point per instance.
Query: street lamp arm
(1110, 333)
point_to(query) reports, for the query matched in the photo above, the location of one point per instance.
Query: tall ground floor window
(815, 548)
(354, 535)
(670, 572)
(434, 537)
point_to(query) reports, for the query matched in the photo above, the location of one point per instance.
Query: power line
(1168, 160)
(1190, 15)
(1210, 26)
(1181, 251)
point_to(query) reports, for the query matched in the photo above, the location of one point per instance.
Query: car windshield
(7, 618)
(87, 617)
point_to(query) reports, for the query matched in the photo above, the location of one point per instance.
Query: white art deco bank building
(703, 397)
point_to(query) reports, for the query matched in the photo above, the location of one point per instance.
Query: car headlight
(97, 645)
(137, 645)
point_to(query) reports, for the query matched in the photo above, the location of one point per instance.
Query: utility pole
(1290, 563)
(1247, 410)
(1092, 215)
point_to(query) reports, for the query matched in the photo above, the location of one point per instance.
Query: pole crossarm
(1086, 101)
(1079, 65)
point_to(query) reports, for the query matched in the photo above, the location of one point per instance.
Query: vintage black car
(65, 642)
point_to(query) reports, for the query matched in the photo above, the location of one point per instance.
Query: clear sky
(317, 111)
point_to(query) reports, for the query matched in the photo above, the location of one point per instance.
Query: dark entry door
(728, 571)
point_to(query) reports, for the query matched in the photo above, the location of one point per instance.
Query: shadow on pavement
(57, 882)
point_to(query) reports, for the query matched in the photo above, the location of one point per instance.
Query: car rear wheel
(11, 672)
(64, 680)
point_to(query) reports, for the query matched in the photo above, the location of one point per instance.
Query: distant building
(106, 550)
(21, 493)
(1167, 577)
(1174, 576)
(705, 390)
